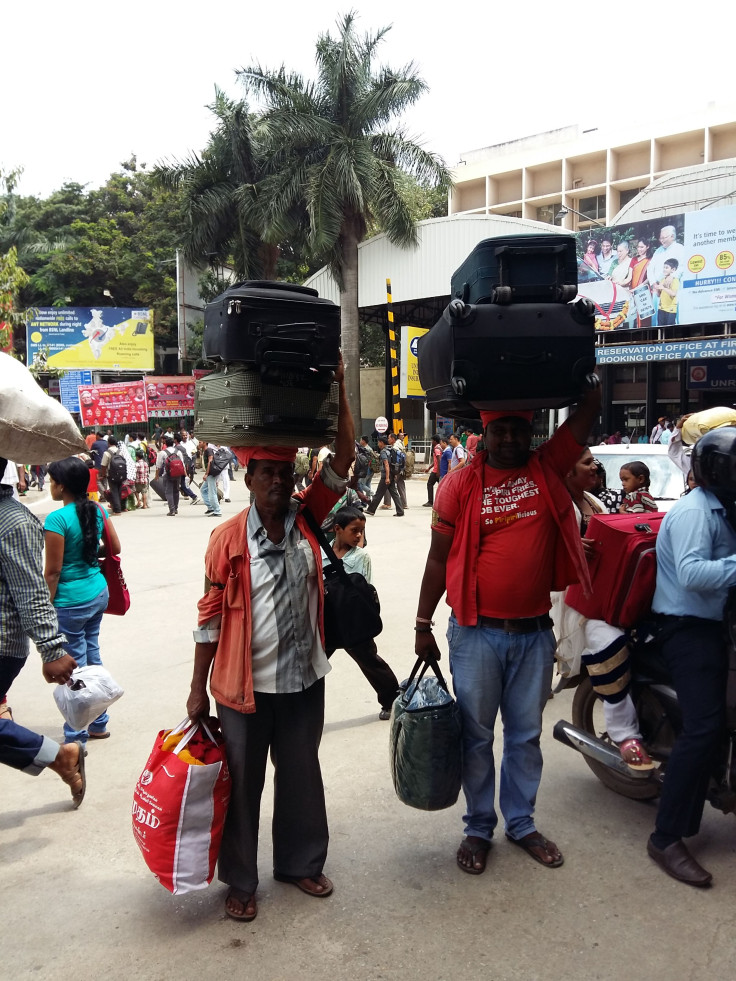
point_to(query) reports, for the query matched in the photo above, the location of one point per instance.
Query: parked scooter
(660, 722)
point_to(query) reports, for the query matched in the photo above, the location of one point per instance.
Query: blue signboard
(692, 350)
(69, 388)
(715, 376)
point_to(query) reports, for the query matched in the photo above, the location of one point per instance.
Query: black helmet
(714, 461)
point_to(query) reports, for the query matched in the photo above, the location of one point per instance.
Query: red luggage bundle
(623, 571)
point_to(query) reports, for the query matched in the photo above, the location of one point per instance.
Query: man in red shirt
(434, 471)
(503, 536)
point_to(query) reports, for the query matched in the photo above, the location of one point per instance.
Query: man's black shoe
(677, 861)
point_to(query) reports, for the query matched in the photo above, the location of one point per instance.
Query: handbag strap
(424, 665)
(336, 563)
(105, 532)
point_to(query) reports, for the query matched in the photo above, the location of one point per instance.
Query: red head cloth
(284, 454)
(486, 417)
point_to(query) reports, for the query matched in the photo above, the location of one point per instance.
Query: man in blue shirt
(446, 456)
(696, 565)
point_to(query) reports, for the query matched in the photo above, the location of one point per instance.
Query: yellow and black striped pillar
(396, 405)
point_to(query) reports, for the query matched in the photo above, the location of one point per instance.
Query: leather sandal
(315, 885)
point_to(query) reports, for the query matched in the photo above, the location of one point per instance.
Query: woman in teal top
(77, 587)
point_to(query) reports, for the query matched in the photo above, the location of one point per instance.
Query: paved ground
(78, 901)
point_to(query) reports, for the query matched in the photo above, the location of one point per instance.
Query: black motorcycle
(660, 722)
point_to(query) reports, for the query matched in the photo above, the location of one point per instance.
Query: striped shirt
(25, 607)
(286, 647)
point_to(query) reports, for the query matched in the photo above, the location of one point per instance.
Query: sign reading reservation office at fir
(696, 350)
(662, 272)
(101, 339)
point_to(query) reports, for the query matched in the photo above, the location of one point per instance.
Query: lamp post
(565, 209)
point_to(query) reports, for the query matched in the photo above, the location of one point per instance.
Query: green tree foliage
(330, 155)
(121, 237)
(12, 277)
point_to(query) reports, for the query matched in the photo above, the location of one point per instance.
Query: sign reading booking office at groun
(696, 350)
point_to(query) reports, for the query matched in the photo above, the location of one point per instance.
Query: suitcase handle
(273, 284)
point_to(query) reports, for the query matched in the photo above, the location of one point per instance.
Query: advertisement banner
(104, 339)
(119, 404)
(661, 272)
(409, 387)
(69, 388)
(170, 396)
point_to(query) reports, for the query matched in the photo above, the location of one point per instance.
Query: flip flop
(478, 852)
(79, 796)
(639, 758)
(246, 900)
(308, 884)
(535, 840)
(6, 712)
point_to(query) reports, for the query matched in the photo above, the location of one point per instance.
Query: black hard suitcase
(276, 326)
(157, 486)
(519, 269)
(527, 355)
(235, 407)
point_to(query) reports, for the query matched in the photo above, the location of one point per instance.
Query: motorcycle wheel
(587, 714)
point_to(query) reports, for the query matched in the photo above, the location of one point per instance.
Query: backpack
(375, 460)
(397, 459)
(174, 465)
(117, 469)
(221, 460)
(362, 462)
(301, 465)
(623, 572)
(152, 456)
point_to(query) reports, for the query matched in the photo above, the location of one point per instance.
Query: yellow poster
(103, 339)
(410, 387)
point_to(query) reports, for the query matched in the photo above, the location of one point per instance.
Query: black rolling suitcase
(519, 269)
(526, 355)
(279, 327)
(236, 407)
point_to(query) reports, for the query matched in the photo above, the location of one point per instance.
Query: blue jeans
(209, 494)
(81, 626)
(492, 669)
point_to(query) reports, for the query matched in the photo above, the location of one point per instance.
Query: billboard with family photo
(661, 272)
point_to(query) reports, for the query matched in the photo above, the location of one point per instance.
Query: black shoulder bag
(352, 609)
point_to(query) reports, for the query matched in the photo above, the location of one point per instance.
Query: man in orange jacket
(261, 632)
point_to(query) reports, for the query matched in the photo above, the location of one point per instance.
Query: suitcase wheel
(583, 309)
(458, 310)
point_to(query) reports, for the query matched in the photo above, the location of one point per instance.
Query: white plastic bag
(87, 694)
(34, 428)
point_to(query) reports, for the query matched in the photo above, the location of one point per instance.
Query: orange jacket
(227, 567)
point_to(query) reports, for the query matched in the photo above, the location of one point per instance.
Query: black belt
(521, 625)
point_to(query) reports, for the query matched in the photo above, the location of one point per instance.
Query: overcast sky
(85, 84)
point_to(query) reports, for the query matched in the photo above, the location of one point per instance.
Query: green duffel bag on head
(425, 746)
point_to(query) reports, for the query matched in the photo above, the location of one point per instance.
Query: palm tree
(219, 195)
(329, 155)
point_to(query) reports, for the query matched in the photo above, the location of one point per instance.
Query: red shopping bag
(179, 806)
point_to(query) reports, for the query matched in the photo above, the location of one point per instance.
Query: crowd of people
(508, 534)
